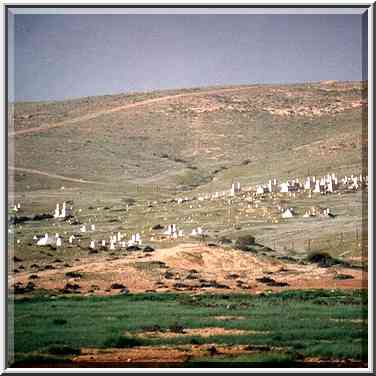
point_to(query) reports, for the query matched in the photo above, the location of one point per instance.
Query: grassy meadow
(283, 328)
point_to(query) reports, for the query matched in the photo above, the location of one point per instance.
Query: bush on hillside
(323, 259)
(245, 242)
(122, 342)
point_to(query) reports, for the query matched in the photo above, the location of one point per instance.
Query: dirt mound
(201, 332)
(152, 355)
(171, 270)
(142, 355)
(206, 259)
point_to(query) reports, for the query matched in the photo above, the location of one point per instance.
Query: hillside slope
(184, 139)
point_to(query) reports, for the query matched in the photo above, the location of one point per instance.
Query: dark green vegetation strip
(314, 323)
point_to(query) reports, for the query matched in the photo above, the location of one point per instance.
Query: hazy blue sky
(66, 56)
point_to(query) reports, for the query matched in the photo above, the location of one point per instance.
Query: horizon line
(135, 92)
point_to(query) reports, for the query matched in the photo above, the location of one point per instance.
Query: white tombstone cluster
(118, 241)
(181, 200)
(261, 189)
(17, 207)
(49, 240)
(235, 188)
(273, 185)
(326, 184)
(64, 211)
(284, 187)
(42, 241)
(173, 232)
(311, 212)
(214, 196)
(290, 186)
(270, 187)
(217, 195)
(286, 212)
(135, 239)
(85, 228)
(325, 212)
(197, 231)
(355, 182)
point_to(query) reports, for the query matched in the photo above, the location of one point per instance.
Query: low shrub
(323, 259)
(122, 342)
(60, 321)
(343, 276)
(244, 242)
(63, 350)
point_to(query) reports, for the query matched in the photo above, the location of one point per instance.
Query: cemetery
(188, 217)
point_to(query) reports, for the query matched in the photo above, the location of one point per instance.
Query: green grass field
(329, 325)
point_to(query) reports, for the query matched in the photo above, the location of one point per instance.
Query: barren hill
(192, 267)
(185, 139)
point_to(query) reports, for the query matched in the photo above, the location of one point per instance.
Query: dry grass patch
(201, 332)
(229, 318)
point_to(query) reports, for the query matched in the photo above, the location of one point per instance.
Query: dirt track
(37, 172)
(123, 108)
(148, 180)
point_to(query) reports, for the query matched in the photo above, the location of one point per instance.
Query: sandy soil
(175, 357)
(155, 355)
(202, 332)
(188, 266)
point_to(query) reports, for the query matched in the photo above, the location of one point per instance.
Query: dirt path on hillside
(37, 172)
(148, 180)
(123, 108)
